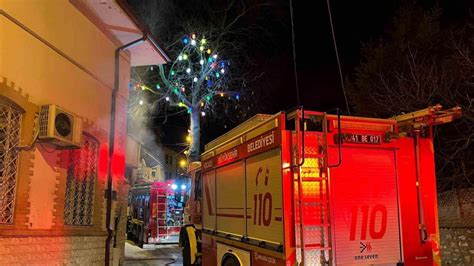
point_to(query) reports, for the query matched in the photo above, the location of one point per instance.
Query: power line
(294, 53)
(337, 58)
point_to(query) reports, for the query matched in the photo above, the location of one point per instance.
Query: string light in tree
(198, 74)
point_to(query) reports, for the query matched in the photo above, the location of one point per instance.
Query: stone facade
(456, 219)
(52, 250)
(457, 246)
(38, 233)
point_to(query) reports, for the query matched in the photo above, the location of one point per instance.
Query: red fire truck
(156, 212)
(310, 188)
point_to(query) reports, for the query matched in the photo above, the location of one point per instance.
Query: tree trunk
(194, 154)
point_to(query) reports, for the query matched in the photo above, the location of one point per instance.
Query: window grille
(80, 186)
(10, 123)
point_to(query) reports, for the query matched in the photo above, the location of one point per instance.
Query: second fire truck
(155, 212)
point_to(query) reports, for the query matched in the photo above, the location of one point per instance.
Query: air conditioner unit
(60, 127)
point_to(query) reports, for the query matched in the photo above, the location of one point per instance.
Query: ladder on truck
(310, 166)
(418, 124)
(162, 212)
(425, 118)
(311, 191)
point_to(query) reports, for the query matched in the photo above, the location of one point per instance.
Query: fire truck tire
(230, 260)
(186, 252)
(140, 237)
(188, 243)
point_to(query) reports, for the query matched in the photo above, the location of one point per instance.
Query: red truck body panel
(375, 206)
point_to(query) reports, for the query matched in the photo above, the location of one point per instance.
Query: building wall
(52, 250)
(457, 245)
(170, 165)
(50, 53)
(133, 152)
(456, 221)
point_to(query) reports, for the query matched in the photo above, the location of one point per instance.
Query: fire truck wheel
(140, 237)
(186, 252)
(230, 260)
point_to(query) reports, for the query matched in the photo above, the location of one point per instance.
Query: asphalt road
(169, 254)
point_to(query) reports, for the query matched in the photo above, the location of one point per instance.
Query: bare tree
(212, 70)
(418, 64)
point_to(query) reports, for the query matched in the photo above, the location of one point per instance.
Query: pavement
(160, 254)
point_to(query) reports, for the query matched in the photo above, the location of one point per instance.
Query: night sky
(355, 22)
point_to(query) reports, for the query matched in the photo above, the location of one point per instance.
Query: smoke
(141, 128)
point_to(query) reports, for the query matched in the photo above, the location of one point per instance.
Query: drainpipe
(109, 191)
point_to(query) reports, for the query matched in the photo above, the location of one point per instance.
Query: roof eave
(157, 46)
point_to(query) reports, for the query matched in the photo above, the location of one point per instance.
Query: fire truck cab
(310, 188)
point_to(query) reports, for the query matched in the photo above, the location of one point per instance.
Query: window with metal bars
(81, 180)
(10, 125)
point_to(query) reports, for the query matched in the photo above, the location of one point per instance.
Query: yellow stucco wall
(48, 77)
(80, 80)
